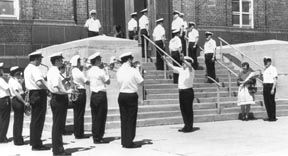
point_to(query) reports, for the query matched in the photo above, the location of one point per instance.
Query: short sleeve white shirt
(15, 86)
(4, 88)
(32, 74)
(193, 35)
(54, 81)
(93, 25)
(186, 77)
(132, 24)
(143, 22)
(269, 74)
(158, 33)
(177, 24)
(78, 78)
(210, 46)
(128, 79)
(175, 44)
(97, 78)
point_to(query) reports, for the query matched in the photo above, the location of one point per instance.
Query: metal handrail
(218, 93)
(242, 54)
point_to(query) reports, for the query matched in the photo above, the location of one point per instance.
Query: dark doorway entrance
(119, 14)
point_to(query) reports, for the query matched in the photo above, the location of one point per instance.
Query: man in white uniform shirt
(210, 56)
(80, 104)
(177, 23)
(98, 78)
(133, 27)
(144, 30)
(37, 90)
(159, 39)
(5, 106)
(128, 79)
(269, 88)
(186, 92)
(58, 103)
(193, 37)
(175, 47)
(183, 34)
(92, 24)
(18, 104)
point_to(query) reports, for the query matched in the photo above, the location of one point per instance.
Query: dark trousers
(192, 52)
(144, 32)
(269, 101)
(92, 33)
(186, 97)
(128, 104)
(159, 54)
(210, 65)
(176, 56)
(18, 108)
(183, 41)
(59, 105)
(79, 110)
(5, 109)
(132, 35)
(99, 114)
(38, 102)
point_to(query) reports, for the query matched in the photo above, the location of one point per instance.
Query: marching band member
(58, 103)
(35, 84)
(133, 26)
(186, 92)
(210, 56)
(98, 78)
(18, 104)
(193, 37)
(92, 24)
(128, 78)
(5, 106)
(144, 30)
(175, 47)
(159, 39)
(177, 23)
(80, 104)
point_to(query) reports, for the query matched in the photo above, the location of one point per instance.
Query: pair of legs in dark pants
(176, 56)
(186, 97)
(132, 35)
(183, 41)
(128, 104)
(5, 109)
(210, 66)
(18, 108)
(38, 102)
(92, 33)
(144, 32)
(192, 52)
(269, 101)
(159, 54)
(79, 111)
(59, 105)
(99, 114)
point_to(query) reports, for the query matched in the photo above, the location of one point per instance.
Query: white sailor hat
(36, 53)
(144, 10)
(93, 56)
(59, 54)
(160, 20)
(175, 31)
(181, 14)
(1, 64)
(191, 23)
(14, 68)
(176, 12)
(133, 14)
(267, 58)
(188, 59)
(208, 33)
(74, 60)
(125, 54)
(92, 12)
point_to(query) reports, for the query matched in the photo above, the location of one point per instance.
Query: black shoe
(5, 140)
(63, 153)
(18, 143)
(40, 148)
(100, 141)
(273, 120)
(187, 130)
(181, 130)
(82, 137)
(132, 146)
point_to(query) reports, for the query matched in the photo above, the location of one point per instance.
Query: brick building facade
(41, 23)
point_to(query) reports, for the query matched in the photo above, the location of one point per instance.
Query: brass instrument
(69, 83)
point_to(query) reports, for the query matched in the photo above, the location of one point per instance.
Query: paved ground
(228, 138)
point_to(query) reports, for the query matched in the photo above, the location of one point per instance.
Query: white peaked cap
(74, 60)
(14, 68)
(125, 54)
(94, 55)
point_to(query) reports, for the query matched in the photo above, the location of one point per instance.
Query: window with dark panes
(242, 13)
(9, 9)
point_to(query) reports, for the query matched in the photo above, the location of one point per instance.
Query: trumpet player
(98, 78)
(35, 84)
(58, 103)
(80, 104)
(18, 104)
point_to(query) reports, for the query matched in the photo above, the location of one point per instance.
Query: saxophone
(70, 83)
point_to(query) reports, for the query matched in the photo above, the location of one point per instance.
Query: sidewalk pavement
(225, 138)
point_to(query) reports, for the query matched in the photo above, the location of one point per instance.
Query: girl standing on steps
(246, 81)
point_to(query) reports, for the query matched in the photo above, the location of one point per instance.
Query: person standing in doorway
(133, 27)
(159, 39)
(210, 56)
(92, 24)
(144, 30)
(193, 37)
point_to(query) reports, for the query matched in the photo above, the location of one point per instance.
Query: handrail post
(229, 86)
(165, 70)
(218, 100)
(221, 50)
(145, 48)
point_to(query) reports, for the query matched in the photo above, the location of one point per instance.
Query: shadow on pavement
(78, 149)
(143, 142)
